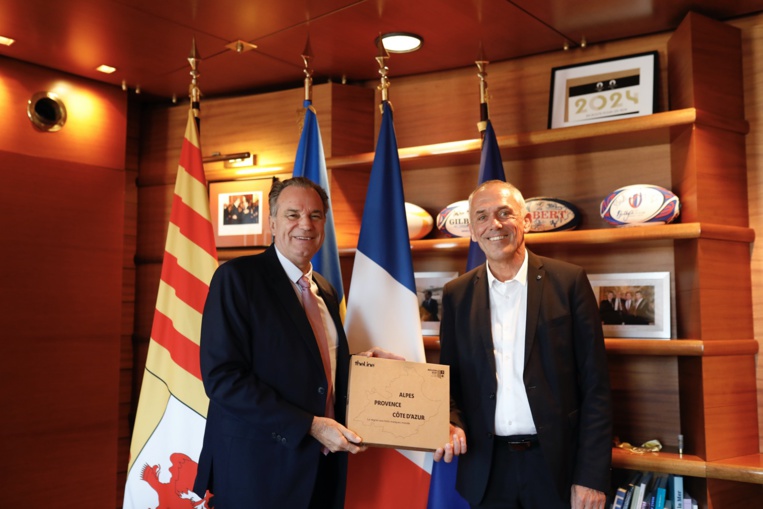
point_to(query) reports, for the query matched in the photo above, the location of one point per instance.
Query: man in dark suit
(529, 380)
(269, 440)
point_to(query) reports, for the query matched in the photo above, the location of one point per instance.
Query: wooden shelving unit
(702, 383)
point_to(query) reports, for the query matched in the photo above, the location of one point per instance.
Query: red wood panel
(62, 227)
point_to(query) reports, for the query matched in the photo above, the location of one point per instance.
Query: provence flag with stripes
(442, 490)
(169, 425)
(382, 310)
(311, 163)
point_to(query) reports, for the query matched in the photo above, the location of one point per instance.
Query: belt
(518, 442)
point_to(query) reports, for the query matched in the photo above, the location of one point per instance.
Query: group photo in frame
(603, 90)
(239, 212)
(634, 304)
(429, 287)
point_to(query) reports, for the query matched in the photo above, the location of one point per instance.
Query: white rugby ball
(453, 220)
(420, 222)
(552, 214)
(640, 204)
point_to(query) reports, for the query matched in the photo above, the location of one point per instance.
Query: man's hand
(587, 498)
(455, 447)
(335, 437)
(381, 353)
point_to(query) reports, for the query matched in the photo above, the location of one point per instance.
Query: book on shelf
(630, 486)
(640, 492)
(661, 488)
(619, 500)
(677, 491)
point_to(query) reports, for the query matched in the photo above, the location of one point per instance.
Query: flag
(383, 310)
(442, 489)
(491, 168)
(311, 163)
(169, 425)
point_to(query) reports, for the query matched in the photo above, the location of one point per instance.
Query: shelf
(633, 132)
(744, 468)
(671, 463)
(679, 231)
(681, 347)
(661, 347)
(748, 469)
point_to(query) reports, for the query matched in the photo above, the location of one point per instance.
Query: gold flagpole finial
(307, 54)
(193, 90)
(383, 69)
(482, 74)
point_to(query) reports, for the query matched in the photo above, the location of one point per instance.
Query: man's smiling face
(298, 224)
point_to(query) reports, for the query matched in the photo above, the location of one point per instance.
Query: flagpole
(194, 93)
(381, 59)
(482, 74)
(307, 54)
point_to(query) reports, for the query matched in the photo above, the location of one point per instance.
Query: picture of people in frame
(241, 208)
(626, 305)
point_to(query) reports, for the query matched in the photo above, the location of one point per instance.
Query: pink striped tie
(310, 302)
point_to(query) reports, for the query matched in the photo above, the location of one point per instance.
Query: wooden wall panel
(61, 322)
(94, 133)
(752, 51)
(62, 214)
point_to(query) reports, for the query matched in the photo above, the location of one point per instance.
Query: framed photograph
(429, 287)
(239, 212)
(603, 90)
(633, 305)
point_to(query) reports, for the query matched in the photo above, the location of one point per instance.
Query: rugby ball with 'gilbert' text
(420, 222)
(453, 220)
(640, 204)
(551, 214)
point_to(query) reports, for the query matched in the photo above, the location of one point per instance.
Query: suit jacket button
(321, 390)
(489, 435)
(283, 440)
(492, 395)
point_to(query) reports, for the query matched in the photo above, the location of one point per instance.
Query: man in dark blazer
(531, 405)
(268, 442)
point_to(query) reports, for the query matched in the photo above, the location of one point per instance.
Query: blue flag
(310, 162)
(442, 489)
(491, 168)
(383, 311)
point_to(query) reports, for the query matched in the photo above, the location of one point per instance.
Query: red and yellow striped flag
(172, 410)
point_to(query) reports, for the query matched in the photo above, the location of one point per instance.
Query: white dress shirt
(508, 314)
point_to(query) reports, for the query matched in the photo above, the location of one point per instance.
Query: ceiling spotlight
(401, 42)
(6, 41)
(105, 69)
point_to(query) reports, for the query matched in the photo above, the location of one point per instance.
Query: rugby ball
(420, 222)
(552, 214)
(640, 204)
(453, 220)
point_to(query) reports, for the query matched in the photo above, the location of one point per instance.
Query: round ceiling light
(401, 42)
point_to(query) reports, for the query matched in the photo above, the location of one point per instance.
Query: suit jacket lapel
(535, 281)
(480, 315)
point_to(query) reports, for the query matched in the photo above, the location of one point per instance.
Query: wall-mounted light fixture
(400, 42)
(237, 160)
(46, 111)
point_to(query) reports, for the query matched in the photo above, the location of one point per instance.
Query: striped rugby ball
(453, 220)
(640, 204)
(551, 214)
(420, 222)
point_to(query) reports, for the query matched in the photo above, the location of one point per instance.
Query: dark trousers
(325, 492)
(520, 479)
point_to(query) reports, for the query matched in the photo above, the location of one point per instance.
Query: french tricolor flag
(383, 311)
